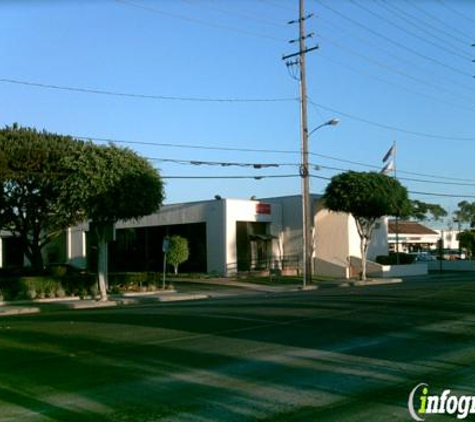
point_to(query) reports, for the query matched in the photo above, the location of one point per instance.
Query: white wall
(76, 244)
(388, 271)
(220, 217)
(450, 238)
(458, 265)
(332, 240)
(210, 212)
(246, 210)
(329, 269)
(337, 238)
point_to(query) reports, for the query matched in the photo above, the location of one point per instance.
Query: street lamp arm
(331, 122)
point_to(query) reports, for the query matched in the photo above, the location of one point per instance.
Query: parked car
(453, 254)
(423, 256)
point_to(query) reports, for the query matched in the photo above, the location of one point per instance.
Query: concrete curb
(7, 309)
(182, 297)
(18, 310)
(145, 294)
(377, 282)
(333, 284)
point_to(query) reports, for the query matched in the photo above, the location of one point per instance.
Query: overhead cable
(144, 96)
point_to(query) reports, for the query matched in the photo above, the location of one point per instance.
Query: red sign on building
(263, 209)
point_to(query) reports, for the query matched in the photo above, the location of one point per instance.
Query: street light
(306, 213)
(331, 122)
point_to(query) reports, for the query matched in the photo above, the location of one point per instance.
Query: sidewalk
(283, 288)
(136, 298)
(264, 288)
(22, 307)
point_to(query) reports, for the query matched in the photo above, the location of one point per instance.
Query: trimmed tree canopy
(50, 182)
(178, 251)
(111, 183)
(33, 176)
(367, 197)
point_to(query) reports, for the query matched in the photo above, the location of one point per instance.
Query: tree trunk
(102, 262)
(364, 249)
(36, 258)
(176, 269)
(32, 250)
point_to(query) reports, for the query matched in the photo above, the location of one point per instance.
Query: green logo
(420, 403)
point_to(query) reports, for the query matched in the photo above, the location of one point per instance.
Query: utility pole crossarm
(307, 50)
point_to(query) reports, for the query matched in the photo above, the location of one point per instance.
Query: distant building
(413, 237)
(449, 237)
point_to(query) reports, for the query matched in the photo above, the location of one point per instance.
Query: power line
(408, 179)
(261, 177)
(256, 165)
(393, 128)
(246, 16)
(254, 150)
(373, 76)
(402, 15)
(396, 43)
(220, 163)
(370, 43)
(443, 3)
(187, 146)
(272, 176)
(441, 195)
(144, 96)
(441, 22)
(400, 73)
(277, 4)
(456, 182)
(198, 21)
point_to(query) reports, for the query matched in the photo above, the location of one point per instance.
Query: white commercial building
(230, 235)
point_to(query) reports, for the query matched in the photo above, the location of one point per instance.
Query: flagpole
(397, 216)
(389, 161)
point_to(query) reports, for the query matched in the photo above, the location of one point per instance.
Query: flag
(388, 168)
(390, 153)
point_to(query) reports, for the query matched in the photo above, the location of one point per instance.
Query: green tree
(467, 241)
(422, 211)
(178, 251)
(51, 182)
(33, 177)
(109, 184)
(367, 196)
(466, 213)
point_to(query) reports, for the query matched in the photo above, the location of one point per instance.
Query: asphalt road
(341, 354)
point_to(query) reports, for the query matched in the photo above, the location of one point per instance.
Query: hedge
(39, 287)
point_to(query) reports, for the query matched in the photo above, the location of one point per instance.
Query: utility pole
(304, 167)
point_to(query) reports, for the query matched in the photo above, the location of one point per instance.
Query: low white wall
(374, 269)
(389, 271)
(461, 265)
(330, 269)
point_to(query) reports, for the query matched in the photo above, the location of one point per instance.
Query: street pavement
(343, 354)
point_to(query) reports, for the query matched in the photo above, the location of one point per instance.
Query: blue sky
(390, 70)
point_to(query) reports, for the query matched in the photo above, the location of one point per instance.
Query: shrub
(30, 288)
(133, 281)
(391, 259)
(58, 270)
